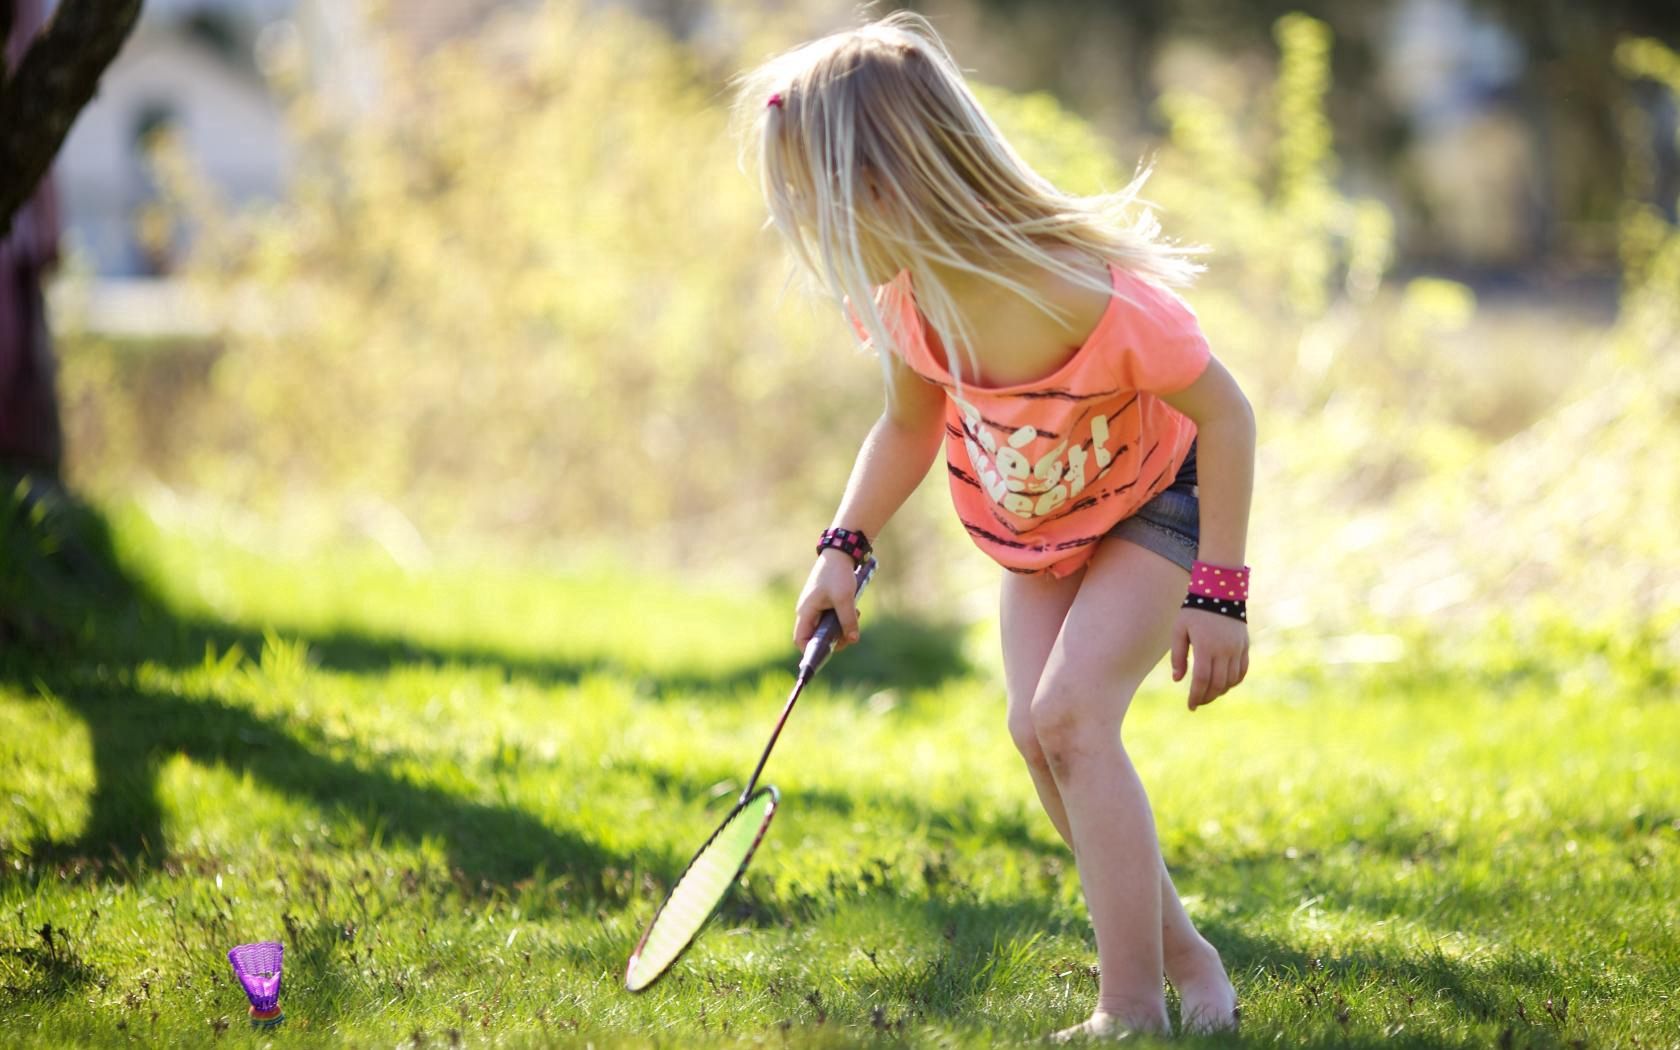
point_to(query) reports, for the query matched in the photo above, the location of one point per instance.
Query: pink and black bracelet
(849, 541)
(1218, 589)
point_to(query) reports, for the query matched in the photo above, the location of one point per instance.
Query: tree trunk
(55, 79)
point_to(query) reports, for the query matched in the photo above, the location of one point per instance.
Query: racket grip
(822, 641)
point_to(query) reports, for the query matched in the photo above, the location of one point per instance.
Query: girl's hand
(1221, 645)
(832, 585)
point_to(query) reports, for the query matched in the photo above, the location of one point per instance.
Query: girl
(1031, 333)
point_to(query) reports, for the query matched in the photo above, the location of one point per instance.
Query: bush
(528, 294)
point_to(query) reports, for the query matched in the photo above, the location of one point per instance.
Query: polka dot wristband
(1218, 581)
(1235, 608)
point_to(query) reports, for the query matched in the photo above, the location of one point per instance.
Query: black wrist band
(1234, 608)
(850, 541)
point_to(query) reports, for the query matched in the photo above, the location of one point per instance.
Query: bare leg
(1031, 618)
(1207, 1001)
(1118, 627)
(1034, 609)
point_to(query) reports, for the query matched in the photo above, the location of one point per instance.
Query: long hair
(875, 158)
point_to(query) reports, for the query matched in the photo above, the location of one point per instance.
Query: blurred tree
(53, 80)
(1559, 110)
(47, 74)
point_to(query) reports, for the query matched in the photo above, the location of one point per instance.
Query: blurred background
(484, 279)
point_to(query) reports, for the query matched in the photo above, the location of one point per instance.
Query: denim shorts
(1169, 524)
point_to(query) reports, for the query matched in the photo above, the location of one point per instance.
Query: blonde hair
(876, 158)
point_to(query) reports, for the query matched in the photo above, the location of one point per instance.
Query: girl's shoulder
(896, 303)
(1147, 292)
(1147, 305)
(1155, 338)
(1084, 306)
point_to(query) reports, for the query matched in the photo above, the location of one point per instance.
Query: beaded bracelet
(849, 541)
(1218, 589)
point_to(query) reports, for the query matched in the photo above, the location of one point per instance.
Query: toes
(1202, 1022)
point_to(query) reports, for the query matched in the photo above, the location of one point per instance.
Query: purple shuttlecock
(258, 968)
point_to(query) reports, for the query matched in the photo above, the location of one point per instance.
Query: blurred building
(202, 71)
(1474, 161)
(190, 69)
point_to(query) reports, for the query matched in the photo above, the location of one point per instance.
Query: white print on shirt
(1025, 488)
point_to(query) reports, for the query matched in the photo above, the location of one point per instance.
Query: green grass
(456, 796)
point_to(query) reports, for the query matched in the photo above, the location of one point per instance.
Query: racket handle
(828, 628)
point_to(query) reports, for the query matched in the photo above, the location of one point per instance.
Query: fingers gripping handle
(828, 628)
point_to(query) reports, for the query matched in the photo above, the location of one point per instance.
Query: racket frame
(764, 826)
(816, 653)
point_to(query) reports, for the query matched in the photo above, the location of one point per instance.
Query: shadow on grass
(1317, 973)
(134, 729)
(990, 949)
(895, 652)
(49, 968)
(944, 959)
(968, 818)
(75, 627)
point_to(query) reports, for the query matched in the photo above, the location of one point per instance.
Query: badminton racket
(720, 862)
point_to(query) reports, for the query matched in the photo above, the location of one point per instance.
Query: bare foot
(1207, 1001)
(1100, 1026)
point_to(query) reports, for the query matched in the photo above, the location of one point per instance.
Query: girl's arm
(1225, 442)
(893, 460)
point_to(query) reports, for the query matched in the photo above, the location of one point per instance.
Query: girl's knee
(1021, 731)
(1060, 728)
(1069, 722)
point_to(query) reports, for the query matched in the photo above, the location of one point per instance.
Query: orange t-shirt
(1041, 471)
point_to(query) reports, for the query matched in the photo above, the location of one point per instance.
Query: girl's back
(1015, 342)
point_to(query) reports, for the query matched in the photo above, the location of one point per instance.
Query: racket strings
(700, 888)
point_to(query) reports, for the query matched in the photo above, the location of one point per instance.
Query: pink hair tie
(1219, 581)
(775, 100)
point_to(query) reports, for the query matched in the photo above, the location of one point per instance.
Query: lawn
(457, 794)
